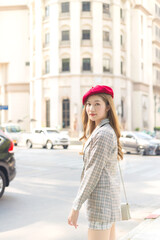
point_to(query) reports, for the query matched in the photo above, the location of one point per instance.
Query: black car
(7, 162)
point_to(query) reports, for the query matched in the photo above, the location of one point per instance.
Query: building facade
(14, 62)
(77, 44)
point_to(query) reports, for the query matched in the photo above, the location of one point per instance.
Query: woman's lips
(92, 115)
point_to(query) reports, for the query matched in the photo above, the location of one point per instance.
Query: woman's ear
(108, 108)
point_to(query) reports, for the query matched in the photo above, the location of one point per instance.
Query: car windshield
(52, 131)
(143, 136)
(13, 129)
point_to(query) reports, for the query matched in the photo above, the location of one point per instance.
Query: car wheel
(29, 144)
(49, 145)
(128, 152)
(2, 183)
(65, 146)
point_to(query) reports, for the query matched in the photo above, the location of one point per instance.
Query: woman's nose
(91, 107)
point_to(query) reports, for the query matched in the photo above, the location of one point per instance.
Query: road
(38, 201)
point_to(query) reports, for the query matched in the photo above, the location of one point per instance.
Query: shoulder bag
(125, 211)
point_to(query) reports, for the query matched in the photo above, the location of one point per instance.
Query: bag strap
(122, 182)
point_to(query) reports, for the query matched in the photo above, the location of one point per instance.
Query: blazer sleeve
(100, 150)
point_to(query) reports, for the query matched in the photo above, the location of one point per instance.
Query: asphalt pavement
(37, 203)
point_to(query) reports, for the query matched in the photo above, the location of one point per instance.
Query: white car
(47, 137)
(12, 130)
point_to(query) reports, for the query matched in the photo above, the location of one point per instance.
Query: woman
(100, 182)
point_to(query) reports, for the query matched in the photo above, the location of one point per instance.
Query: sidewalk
(149, 229)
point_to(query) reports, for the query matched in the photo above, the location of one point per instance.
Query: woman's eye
(97, 104)
(88, 104)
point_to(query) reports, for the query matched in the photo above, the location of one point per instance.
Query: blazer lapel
(102, 123)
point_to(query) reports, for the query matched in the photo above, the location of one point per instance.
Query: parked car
(13, 131)
(7, 162)
(47, 138)
(139, 142)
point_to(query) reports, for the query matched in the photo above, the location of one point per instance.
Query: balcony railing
(107, 43)
(64, 15)
(107, 70)
(86, 14)
(64, 70)
(107, 15)
(89, 70)
(64, 43)
(45, 45)
(86, 42)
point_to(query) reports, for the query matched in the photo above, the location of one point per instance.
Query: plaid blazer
(100, 180)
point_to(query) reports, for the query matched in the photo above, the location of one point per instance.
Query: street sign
(4, 107)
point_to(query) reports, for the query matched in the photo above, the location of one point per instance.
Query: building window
(121, 40)
(156, 30)
(122, 14)
(27, 63)
(65, 35)
(86, 6)
(47, 113)
(86, 35)
(65, 65)
(106, 65)
(47, 38)
(65, 113)
(142, 66)
(158, 76)
(106, 8)
(65, 7)
(47, 11)
(47, 66)
(86, 64)
(122, 67)
(157, 54)
(156, 9)
(157, 33)
(122, 108)
(106, 36)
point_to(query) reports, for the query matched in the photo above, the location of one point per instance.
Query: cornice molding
(158, 1)
(144, 10)
(156, 89)
(17, 87)
(156, 42)
(155, 64)
(156, 20)
(14, 8)
(139, 86)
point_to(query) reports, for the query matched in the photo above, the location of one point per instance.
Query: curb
(147, 230)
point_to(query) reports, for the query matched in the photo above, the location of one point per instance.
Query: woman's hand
(73, 217)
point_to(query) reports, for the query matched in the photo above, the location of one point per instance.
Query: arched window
(106, 64)
(65, 113)
(107, 36)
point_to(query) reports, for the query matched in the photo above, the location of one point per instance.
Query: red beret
(98, 89)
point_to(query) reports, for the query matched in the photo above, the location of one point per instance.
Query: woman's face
(96, 109)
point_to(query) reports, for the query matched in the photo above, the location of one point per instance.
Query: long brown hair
(89, 126)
